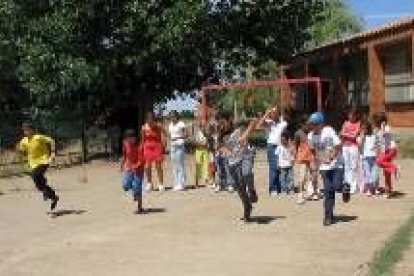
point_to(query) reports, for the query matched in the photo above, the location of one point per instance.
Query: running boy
(326, 146)
(132, 165)
(232, 144)
(39, 150)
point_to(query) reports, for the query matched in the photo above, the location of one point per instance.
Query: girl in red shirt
(132, 164)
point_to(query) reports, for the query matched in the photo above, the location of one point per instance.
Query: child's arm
(249, 129)
(262, 120)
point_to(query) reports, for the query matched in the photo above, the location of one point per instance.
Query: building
(373, 70)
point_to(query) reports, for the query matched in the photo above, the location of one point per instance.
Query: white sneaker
(161, 188)
(178, 188)
(315, 197)
(300, 200)
(148, 187)
(274, 194)
(217, 188)
(230, 189)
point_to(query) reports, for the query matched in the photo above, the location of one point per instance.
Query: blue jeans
(332, 182)
(371, 171)
(132, 181)
(224, 177)
(286, 179)
(274, 184)
(177, 153)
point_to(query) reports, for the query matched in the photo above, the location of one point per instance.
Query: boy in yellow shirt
(39, 150)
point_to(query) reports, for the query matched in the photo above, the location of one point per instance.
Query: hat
(316, 118)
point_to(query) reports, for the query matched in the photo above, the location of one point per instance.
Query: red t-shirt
(132, 156)
(350, 133)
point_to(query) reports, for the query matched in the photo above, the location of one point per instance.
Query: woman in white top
(177, 133)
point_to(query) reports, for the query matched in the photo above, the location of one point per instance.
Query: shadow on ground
(397, 195)
(154, 210)
(265, 219)
(65, 212)
(344, 218)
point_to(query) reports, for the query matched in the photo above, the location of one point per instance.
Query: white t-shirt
(370, 145)
(177, 133)
(285, 156)
(274, 130)
(323, 143)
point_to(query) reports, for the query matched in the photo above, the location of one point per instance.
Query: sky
(373, 12)
(378, 12)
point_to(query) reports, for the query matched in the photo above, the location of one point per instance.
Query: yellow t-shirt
(37, 149)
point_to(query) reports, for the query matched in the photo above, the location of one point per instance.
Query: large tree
(109, 53)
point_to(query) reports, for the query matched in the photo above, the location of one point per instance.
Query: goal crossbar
(317, 81)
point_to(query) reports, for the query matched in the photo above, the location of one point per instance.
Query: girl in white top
(285, 157)
(369, 150)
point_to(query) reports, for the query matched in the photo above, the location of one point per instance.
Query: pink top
(350, 133)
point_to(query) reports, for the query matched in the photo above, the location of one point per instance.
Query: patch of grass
(385, 259)
(406, 146)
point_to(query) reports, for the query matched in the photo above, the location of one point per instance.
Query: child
(387, 150)
(39, 149)
(285, 156)
(303, 160)
(369, 153)
(132, 165)
(349, 133)
(202, 157)
(232, 144)
(326, 147)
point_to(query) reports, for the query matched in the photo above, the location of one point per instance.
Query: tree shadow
(344, 218)
(265, 219)
(65, 212)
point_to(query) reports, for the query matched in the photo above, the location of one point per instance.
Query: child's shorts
(132, 181)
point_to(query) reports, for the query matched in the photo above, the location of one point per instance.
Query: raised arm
(265, 116)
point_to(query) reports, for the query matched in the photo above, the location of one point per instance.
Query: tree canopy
(104, 53)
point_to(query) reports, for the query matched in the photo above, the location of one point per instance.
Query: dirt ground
(196, 232)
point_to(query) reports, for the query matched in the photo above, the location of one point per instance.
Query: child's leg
(240, 186)
(289, 177)
(148, 173)
(137, 189)
(198, 166)
(204, 166)
(127, 181)
(387, 183)
(384, 160)
(38, 176)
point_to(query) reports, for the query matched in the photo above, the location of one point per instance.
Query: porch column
(339, 99)
(376, 81)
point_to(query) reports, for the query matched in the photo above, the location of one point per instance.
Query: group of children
(348, 161)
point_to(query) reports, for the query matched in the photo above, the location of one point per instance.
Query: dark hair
(28, 125)
(379, 118)
(130, 133)
(174, 113)
(354, 111)
(368, 127)
(285, 134)
(303, 120)
(226, 115)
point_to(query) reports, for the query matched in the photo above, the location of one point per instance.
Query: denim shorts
(132, 181)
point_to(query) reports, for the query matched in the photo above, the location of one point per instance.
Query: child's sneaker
(301, 199)
(148, 187)
(274, 194)
(217, 188)
(230, 189)
(315, 197)
(178, 188)
(161, 188)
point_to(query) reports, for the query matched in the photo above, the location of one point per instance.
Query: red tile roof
(392, 25)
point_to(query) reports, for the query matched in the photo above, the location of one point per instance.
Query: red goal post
(317, 81)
